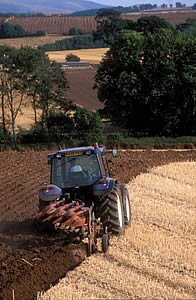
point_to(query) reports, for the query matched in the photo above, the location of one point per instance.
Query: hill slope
(47, 6)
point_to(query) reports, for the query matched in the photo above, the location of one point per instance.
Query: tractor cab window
(71, 171)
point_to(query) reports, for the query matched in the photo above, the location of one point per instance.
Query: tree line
(147, 82)
(76, 42)
(110, 23)
(8, 30)
(120, 9)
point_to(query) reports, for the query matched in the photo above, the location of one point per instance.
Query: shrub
(81, 128)
(89, 127)
(40, 33)
(75, 31)
(11, 31)
(72, 57)
(60, 126)
(36, 135)
(76, 42)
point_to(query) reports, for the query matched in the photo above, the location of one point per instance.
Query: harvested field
(156, 256)
(55, 24)
(93, 56)
(33, 41)
(175, 17)
(30, 262)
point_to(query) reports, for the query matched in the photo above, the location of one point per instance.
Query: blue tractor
(82, 198)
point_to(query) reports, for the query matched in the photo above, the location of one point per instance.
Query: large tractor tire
(126, 205)
(111, 211)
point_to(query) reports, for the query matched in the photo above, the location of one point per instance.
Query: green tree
(152, 24)
(148, 83)
(81, 125)
(13, 86)
(4, 52)
(11, 31)
(60, 126)
(16, 77)
(188, 26)
(48, 86)
(109, 24)
(75, 31)
(28, 71)
(33, 59)
(79, 42)
(179, 5)
(88, 126)
(194, 6)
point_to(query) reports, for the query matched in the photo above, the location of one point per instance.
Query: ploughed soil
(81, 90)
(30, 261)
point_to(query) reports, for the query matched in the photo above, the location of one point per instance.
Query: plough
(76, 221)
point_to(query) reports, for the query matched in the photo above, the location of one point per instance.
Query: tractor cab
(77, 167)
(77, 173)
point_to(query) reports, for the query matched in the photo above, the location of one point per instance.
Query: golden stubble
(93, 56)
(155, 258)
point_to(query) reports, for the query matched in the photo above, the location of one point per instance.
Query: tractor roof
(99, 149)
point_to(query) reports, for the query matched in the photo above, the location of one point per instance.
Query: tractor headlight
(88, 152)
(58, 155)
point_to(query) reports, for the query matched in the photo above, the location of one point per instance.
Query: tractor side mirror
(114, 153)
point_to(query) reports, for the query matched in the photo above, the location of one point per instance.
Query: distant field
(92, 56)
(174, 16)
(62, 24)
(32, 41)
(54, 24)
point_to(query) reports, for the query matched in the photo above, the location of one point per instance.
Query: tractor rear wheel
(111, 211)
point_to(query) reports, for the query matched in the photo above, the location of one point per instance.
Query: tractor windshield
(72, 171)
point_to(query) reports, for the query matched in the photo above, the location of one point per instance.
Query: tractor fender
(49, 192)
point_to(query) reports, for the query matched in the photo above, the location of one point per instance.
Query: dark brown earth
(81, 90)
(31, 262)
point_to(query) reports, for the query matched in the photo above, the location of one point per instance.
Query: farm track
(21, 174)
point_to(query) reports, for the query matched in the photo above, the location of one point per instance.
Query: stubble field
(32, 41)
(154, 259)
(93, 56)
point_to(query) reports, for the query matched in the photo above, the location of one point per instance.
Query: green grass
(120, 141)
(116, 140)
